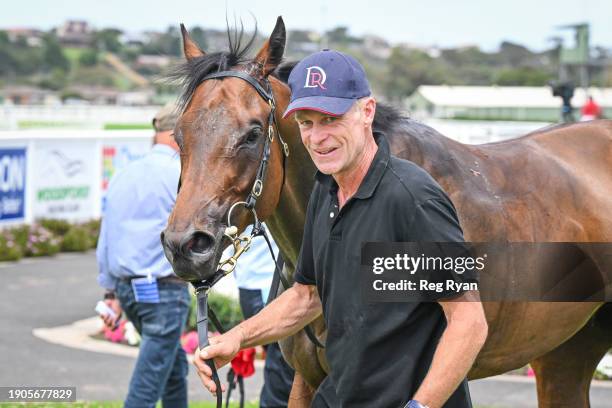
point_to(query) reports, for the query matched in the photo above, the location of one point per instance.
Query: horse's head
(221, 134)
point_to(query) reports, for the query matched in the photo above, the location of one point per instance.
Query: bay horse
(553, 185)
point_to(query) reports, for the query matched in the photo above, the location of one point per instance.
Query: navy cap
(328, 82)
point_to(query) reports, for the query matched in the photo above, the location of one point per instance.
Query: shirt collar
(372, 177)
(164, 149)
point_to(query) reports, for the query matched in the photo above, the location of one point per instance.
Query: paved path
(49, 293)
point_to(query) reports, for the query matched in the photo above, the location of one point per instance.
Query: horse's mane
(189, 74)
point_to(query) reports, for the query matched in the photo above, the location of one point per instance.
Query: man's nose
(318, 134)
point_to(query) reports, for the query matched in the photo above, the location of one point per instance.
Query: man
(136, 275)
(380, 354)
(254, 273)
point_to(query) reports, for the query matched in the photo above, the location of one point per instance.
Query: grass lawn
(127, 126)
(73, 54)
(47, 124)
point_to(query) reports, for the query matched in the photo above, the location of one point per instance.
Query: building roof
(506, 96)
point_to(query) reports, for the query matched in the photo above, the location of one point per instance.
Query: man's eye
(305, 122)
(329, 119)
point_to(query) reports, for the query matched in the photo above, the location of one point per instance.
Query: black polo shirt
(379, 353)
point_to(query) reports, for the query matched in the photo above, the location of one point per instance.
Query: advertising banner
(64, 182)
(115, 155)
(12, 183)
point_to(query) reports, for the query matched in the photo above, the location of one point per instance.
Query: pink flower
(189, 341)
(116, 336)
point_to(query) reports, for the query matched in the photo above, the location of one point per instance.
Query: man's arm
(105, 279)
(464, 336)
(286, 315)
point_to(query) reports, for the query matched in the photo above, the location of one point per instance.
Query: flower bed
(47, 237)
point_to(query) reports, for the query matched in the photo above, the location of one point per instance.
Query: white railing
(81, 116)
(478, 132)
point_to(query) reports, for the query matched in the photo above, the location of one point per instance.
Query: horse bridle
(242, 244)
(268, 96)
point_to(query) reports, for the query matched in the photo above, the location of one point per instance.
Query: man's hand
(109, 321)
(222, 349)
(286, 315)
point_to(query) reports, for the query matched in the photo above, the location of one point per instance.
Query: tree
(300, 36)
(88, 58)
(53, 56)
(514, 55)
(7, 61)
(340, 35)
(108, 40)
(57, 80)
(408, 69)
(524, 76)
(168, 43)
(197, 34)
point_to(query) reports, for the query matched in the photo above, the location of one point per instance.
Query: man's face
(335, 143)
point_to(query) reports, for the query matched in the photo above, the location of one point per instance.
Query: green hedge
(226, 309)
(41, 242)
(47, 237)
(57, 227)
(10, 250)
(77, 239)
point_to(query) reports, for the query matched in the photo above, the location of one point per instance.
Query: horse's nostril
(200, 243)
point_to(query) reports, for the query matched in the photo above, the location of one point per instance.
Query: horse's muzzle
(194, 254)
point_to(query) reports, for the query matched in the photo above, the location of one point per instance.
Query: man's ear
(369, 110)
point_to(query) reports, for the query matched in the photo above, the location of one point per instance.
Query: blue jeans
(161, 368)
(278, 376)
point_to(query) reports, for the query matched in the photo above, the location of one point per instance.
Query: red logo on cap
(315, 77)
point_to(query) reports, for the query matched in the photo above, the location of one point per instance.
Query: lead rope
(202, 288)
(241, 244)
(202, 302)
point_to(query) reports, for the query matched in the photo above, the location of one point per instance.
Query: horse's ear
(271, 54)
(190, 48)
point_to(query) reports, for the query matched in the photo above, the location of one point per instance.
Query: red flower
(244, 362)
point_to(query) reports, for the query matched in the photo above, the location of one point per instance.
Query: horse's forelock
(189, 74)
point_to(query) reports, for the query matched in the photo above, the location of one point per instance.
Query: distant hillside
(76, 55)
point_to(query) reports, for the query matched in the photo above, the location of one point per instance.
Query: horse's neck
(441, 157)
(287, 221)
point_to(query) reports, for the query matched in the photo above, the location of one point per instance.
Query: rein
(242, 244)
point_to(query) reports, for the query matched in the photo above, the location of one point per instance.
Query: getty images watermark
(424, 266)
(532, 272)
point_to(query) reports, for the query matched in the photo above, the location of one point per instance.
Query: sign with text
(64, 183)
(117, 155)
(12, 183)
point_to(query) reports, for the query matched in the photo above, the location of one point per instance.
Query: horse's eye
(253, 135)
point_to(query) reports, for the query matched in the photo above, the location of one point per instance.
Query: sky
(444, 23)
